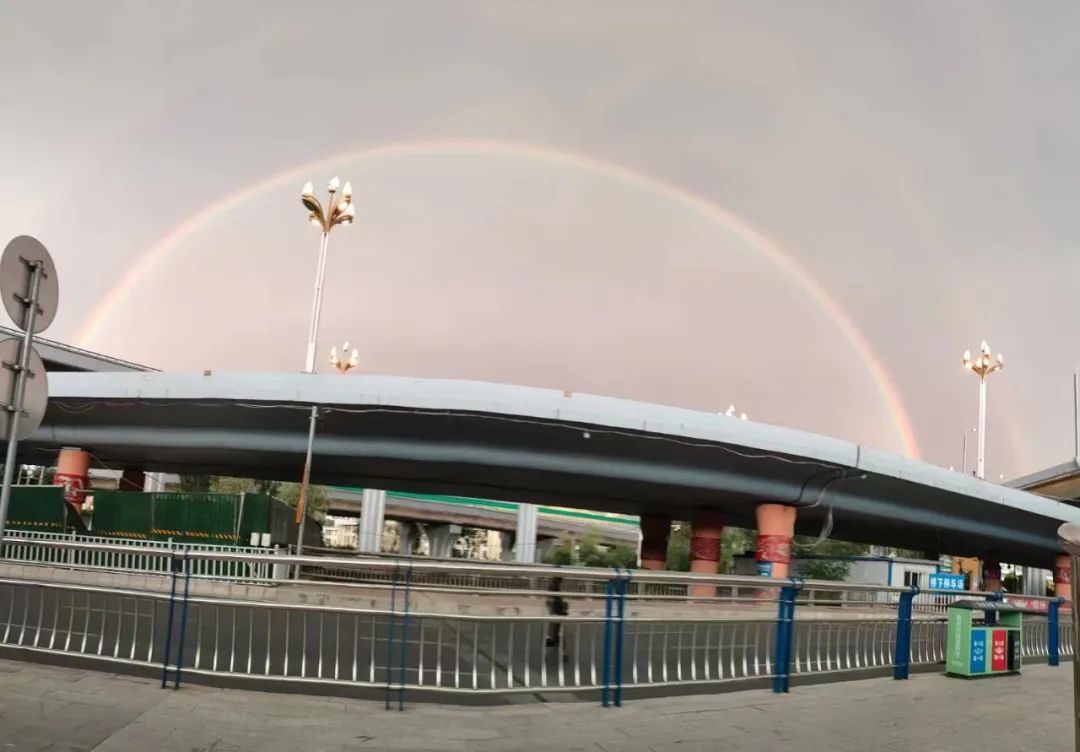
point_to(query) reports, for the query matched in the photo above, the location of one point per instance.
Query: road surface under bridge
(542, 446)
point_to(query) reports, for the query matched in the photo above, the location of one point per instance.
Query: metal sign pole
(15, 407)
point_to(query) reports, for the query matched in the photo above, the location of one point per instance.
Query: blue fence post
(903, 634)
(1053, 637)
(404, 639)
(785, 635)
(991, 616)
(390, 633)
(609, 596)
(624, 585)
(183, 620)
(173, 567)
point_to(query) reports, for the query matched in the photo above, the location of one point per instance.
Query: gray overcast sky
(917, 160)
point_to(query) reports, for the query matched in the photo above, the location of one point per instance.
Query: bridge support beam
(655, 530)
(372, 517)
(73, 473)
(154, 483)
(506, 546)
(706, 530)
(1063, 575)
(405, 538)
(775, 527)
(442, 539)
(525, 535)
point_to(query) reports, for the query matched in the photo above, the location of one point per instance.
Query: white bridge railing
(131, 555)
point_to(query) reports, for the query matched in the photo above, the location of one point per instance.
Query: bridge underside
(857, 495)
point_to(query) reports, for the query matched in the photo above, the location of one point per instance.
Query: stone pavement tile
(927, 713)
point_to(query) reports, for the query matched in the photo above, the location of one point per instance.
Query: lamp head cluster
(338, 211)
(730, 413)
(344, 366)
(984, 363)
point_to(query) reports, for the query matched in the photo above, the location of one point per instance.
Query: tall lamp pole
(982, 366)
(964, 463)
(337, 212)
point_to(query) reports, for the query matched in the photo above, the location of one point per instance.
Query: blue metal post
(1053, 641)
(623, 585)
(183, 620)
(902, 658)
(173, 565)
(390, 634)
(785, 635)
(609, 594)
(991, 616)
(404, 639)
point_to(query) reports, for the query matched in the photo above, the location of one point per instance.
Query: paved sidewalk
(47, 708)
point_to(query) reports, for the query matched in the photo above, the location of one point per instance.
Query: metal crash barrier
(605, 648)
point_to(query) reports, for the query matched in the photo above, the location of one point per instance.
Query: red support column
(776, 527)
(1063, 577)
(706, 530)
(73, 473)
(655, 529)
(991, 576)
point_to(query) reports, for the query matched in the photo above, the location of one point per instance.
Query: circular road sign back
(16, 267)
(36, 396)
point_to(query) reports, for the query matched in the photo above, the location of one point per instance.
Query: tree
(588, 551)
(678, 550)
(318, 500)
(832, 557)
(196, 483)
(470, 543)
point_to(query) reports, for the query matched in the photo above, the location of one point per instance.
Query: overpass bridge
(540, 446)
(59, 357)
(488, 514)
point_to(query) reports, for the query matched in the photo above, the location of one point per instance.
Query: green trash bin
(986, 649)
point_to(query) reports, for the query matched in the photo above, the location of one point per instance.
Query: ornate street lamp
(982, 366)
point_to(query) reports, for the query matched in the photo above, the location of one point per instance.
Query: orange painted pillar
(655, 529)
(991, 576)
(775, 528)
(1063, 577)
(706, 530)
(73, 473)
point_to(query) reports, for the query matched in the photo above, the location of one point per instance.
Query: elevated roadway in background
(59, 357)
(542, 446)
(489, 514)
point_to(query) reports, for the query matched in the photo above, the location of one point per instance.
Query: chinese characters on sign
(978, 651)
(946, 581)
(997, 656)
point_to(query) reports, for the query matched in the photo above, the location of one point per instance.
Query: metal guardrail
(400, 649)
(130, 555)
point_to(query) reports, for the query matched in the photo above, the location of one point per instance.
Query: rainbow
(98, 317)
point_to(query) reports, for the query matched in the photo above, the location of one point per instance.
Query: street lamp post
(982, 366)
(964, 463)
(337, 212)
